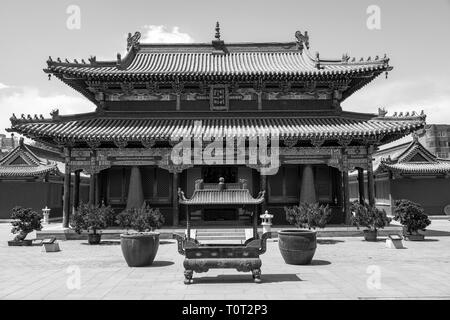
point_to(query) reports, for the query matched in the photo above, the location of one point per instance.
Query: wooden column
(76, 191)
(263, 187)
(361, 185)
(92, 189)
(188, 222)
(308, 190)
(97, 188)
(135, 192)
(346, 194)
(255, 223)
(176, 209)
(370, 184)
(66, 191)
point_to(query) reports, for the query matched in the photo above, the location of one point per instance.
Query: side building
(28, 178)
(409, 171)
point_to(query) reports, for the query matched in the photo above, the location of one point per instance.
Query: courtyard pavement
(343, 268)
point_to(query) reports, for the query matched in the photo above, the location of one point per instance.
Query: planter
(139, 249)
(297, 246)
(414, 237)
(370, 235)
(94, 238)
(21, 243)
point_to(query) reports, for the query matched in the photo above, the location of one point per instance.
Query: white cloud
(31, 101)
(3, 86)
(161, 34)
(429, 94)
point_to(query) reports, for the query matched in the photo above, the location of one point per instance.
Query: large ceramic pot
(370, 235)
(94, 238)
(297, 246)
(139, 249)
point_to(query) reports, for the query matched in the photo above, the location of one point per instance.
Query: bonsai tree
(307, 215)
(411, 215)
(25, 221)
(142, 219)
(370, 217)
(91, 218)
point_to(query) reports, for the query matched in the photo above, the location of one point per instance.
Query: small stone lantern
(46, 212)
(266, 221)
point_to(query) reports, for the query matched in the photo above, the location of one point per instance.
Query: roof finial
(217, 36)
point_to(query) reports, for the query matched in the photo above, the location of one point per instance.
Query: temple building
(276, 98)
(409, 171)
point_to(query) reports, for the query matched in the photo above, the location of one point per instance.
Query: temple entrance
(220, 214)
(211, 174)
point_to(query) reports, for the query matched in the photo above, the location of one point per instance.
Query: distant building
(7, 144)
(436, 138)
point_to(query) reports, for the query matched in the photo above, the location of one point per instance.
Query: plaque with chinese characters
(219, 98)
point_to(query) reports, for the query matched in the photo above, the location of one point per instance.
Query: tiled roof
(29, 171)
(136, 129)
(242, 62)
(412, 158)
(223, 197)
(438, 167)
(28, 166)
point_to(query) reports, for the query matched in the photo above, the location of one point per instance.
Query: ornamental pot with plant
(91, 218)
(25, 220)
(411, 215)
(370, 217)
(297, 246)
(139, 248)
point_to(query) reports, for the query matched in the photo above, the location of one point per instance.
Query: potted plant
(92, 218)
(25, 220)
(370, 217)
(411, 215)
(297, 246)
(139, 248)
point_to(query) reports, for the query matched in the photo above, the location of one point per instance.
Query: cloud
(161, 34)
(31, 101)
(3, 86)
(429, 94)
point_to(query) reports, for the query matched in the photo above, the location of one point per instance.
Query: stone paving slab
(343, 268)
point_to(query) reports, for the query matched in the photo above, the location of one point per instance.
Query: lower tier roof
(138, 129)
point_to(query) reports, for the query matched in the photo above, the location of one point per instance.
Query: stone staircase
(220, 235)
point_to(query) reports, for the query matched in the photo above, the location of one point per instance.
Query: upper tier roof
(218, 59)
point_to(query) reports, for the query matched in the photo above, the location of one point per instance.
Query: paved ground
(343, 268)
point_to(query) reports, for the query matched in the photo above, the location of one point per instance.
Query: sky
(414, 34)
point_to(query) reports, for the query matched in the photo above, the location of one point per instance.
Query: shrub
(411, 215)
(25, 221)
(141, 219)
(91, 217)
(365, 215)
(307, 215)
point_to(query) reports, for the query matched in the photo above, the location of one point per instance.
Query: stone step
(199, 233)
(220, 234)
(199, 238)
